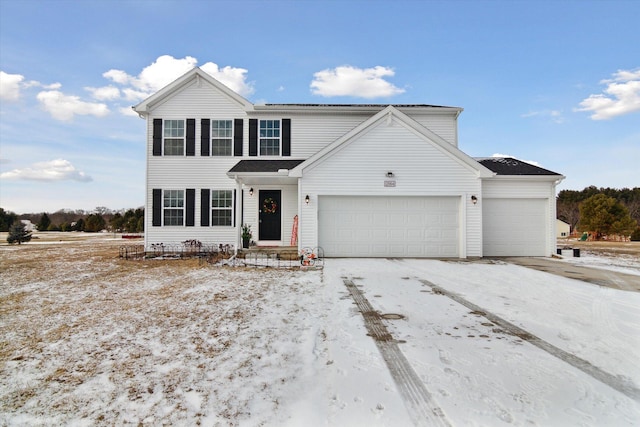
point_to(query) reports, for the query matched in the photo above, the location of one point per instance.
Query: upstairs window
(269, 136)
(173, 207)
(173, 138)
(221, 137)
(221, 207)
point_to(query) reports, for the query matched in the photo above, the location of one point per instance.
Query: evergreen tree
(94, 223)
(6, 219)
(44, 223)
(18, 233)
(604, 215)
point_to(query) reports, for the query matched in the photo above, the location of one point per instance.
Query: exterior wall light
(251, 191)
(390, 174)
(474, 199)
(307, 199)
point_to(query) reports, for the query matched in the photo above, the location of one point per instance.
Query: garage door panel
(389, 226)
(514, 227)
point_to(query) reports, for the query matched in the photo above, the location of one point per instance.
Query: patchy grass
(89, 338)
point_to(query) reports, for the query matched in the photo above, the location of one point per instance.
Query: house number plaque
(390, 183)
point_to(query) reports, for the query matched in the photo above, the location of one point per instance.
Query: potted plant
(246, 235)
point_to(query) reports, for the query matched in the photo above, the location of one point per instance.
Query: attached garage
(389, 226)
(515, 227)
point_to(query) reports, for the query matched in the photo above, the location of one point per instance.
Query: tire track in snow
(615, 382)
(420, 405)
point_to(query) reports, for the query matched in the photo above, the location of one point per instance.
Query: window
(221, 207)
(173, 207)
(269, 137)
(173, 137)
(221, 137)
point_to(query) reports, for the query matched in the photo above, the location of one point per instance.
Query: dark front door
(270, 218)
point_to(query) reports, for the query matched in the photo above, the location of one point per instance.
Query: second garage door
(514, 227)
(389, 226)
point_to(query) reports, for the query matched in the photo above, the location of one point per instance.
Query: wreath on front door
(269, 206)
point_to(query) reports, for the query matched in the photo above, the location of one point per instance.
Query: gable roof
(392, 113)
(196, 74)
(511, 166)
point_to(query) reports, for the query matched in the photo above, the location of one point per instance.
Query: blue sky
(552, 82)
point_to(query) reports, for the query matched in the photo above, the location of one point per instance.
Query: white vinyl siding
(197, 101)
(420, 167)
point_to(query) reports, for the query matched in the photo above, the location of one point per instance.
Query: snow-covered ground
(624, 263)
(88, 339)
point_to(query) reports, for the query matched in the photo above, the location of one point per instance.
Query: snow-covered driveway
(477, 372)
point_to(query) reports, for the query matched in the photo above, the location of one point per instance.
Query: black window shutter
(286, 137)
(157, 137)
(191, 207)
(156, 207)
(233, 212)
(237, 137)
(253, 137)
(191, 137)
(204, 207)
(205, 132)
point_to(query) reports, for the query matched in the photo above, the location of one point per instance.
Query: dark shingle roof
(264, 165)
(511, 166)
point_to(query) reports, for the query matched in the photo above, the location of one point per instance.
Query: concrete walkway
(612, 279)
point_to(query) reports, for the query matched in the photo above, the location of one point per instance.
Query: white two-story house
(355, 180)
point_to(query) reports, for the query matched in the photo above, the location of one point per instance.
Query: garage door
(388, 226)
(514, 227)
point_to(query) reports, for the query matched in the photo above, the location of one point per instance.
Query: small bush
(635, 236)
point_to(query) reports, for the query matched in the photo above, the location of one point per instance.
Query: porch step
(279, 252)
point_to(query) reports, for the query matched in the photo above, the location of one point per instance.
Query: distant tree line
(602, 212)
(101, 218)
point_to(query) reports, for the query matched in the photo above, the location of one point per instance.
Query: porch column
(239, 214)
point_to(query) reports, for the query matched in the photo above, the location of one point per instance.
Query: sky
(551, 82)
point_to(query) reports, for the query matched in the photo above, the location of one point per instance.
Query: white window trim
(211, 207)
(184, 138)
(279, 139)
(211, 138)
(184, 206)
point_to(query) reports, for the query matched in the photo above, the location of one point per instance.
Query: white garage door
(514, 227)
(388, 226)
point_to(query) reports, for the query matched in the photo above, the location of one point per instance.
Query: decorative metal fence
(223, 255)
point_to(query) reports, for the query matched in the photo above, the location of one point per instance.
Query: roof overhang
(530, 178)
(271, 172)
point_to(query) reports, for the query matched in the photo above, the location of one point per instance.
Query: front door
(270, 227)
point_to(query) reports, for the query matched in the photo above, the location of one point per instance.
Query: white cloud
(351, 81)
(53, 170)
(105, 93)
(621, 96)
(554, 115)
(65, 107)
(166, 69)
(233, 78)
(10, 86)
